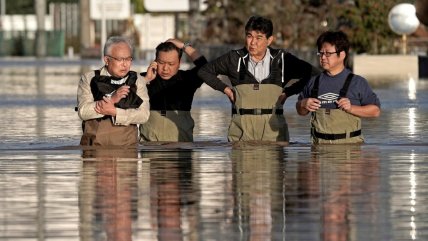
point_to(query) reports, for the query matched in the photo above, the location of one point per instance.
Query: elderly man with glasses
(337, 99)
(112, 100)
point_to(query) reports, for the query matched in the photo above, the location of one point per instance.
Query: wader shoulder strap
(93, 87)
(314, 91)
(343, 91)
(345, 87)
(99, 86)
(132, 78)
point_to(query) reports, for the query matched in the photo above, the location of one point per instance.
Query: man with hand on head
(337, 99)
(112, 100)
(171, 92)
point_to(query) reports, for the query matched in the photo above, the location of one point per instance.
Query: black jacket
(234, 64)
(176, 93)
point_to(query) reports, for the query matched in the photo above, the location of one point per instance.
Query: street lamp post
(403, 21)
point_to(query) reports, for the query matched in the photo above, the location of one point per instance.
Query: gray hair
(116, 40)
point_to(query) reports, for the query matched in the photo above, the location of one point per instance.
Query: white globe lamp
(403, 21)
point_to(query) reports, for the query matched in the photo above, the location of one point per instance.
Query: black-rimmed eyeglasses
(327, 54)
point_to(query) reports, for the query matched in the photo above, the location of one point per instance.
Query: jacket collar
(243, 52)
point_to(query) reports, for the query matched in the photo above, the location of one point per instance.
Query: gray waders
(257, 115)
(334, 126)
(102, 132)
(170, 125)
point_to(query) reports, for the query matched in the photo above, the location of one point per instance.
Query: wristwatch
(185, 45)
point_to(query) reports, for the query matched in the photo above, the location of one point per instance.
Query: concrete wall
(396, 67)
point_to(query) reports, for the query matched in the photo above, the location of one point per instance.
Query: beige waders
(335, 126)
(102, 132)
(257, 115)
(173, 125)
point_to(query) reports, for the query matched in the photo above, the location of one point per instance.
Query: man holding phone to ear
(171, 92)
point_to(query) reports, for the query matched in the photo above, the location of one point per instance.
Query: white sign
(171, 5)
(110, 9)
(154, 29)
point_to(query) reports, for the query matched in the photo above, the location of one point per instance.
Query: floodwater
(207, 190)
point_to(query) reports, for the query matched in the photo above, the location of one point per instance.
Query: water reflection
(337, 188)
(107, 194)
(412, 196)
(173, 199)
(258, 192)
(240, 192)
(348, 179)
(115, 200)
(412, 88)
(412, 122)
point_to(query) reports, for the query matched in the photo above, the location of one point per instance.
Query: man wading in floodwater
(337, 98)
(112, 100)
(259, 75)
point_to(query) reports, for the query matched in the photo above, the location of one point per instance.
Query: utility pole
(85, 27)
(3, 7)
(2, 11)
(194, 26)
(40, 6)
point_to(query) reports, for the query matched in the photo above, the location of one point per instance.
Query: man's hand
(119, 94)
(189, 50)
(281, 99)
(179, 44)
(344, 104)
(151, 71)
(105, 107)
(229, 92)
(311, 104)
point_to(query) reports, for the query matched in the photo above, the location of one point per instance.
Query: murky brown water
(208, 190)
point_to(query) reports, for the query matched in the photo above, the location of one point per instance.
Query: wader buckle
(257, 111)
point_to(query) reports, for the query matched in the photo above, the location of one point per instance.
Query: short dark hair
(261, 24)
(336, 38)
(166, 47)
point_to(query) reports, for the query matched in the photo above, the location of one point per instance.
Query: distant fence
(23, 43)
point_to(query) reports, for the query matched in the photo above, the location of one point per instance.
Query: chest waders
(102, 131)
(334, 126)
(256, 115)
(170, 125)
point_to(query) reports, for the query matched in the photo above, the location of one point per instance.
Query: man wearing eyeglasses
(260, 79)
(171, 92)
(112, 100)
(337, 98)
